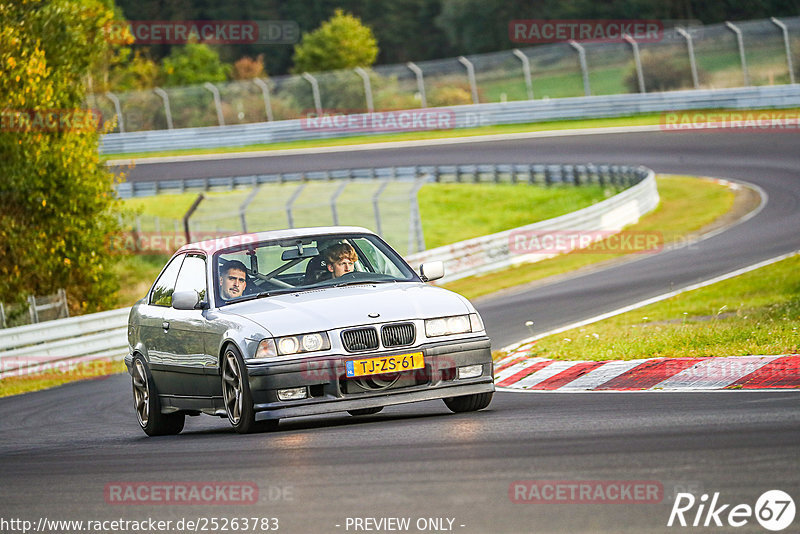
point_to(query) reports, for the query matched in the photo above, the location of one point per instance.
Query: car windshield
(303, 263)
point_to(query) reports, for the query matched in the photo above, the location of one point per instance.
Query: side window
(165, 285)
(193, 276)
(380, 263)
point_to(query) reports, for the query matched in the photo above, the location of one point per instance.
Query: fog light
(470, 371)
(292, 394)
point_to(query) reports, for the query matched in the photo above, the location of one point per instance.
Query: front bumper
(329, 390)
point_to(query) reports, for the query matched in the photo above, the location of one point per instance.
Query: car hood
(342, 307)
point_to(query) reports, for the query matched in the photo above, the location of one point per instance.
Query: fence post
(587, 90)
(245, 205)
(786, 45)
(314, 91)
(367, 88)
(290, 203)
(416, 238)
(526, 71)
(692, 61)
(217, 101)
(376, 208)
(63, 295)
(334, 198)
(473, 84)
(265, 92)
(740, 42)
(118, 108)
(2, 316)
(32, 309)
(167, 111)
(637, 61)
(188, 214)
(420, 83)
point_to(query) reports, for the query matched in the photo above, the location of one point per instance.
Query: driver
(340, 259)
(232, 279)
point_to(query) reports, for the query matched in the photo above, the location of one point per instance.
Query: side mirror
(186, 300)
(431, 271)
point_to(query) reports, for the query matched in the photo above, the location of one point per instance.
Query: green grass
(455, 212)
(93, 370)
(136, 272)
(687, 205)
(752, 314)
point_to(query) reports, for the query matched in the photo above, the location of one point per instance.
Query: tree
(57, 201)
(193, 64)
(342, 42)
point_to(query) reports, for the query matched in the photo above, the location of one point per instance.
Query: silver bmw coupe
(271, 325)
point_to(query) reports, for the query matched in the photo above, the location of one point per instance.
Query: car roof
(213, 245)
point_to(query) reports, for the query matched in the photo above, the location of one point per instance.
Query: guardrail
(533, 173)
(36, 347)
(518, 112)
(50, 345)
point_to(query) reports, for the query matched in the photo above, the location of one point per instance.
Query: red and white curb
(520, 373)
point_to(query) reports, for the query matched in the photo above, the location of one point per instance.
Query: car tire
(236, 395)
(147, 404)
(469, 403)
(365, 411)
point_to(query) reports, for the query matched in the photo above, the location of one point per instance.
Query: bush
(342, 42)
(57, 200)
(662, 71)
(449, 95)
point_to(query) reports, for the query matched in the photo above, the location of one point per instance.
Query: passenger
(232, 279)
(340, 259)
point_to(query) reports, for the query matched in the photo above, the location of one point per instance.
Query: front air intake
(360, 339)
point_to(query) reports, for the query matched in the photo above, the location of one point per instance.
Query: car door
(187, 331)
(152, 329)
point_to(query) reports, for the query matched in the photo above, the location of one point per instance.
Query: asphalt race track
(61, 449)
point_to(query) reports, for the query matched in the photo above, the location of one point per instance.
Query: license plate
(384, 364)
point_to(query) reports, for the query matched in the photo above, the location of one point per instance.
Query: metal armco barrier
(31, 348)
(518, 112)
(532, 173)
(36, 347)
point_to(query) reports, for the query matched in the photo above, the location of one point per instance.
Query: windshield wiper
(356, 282)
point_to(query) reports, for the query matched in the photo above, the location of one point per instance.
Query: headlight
(266, 349)
(303, 343)
(457, 324)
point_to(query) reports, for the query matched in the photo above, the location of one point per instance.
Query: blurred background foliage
(57, 202)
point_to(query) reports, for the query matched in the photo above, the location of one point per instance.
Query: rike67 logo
(774, 510)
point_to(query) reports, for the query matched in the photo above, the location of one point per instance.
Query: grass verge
(752, 314)
(57, 374)
(687, 205)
